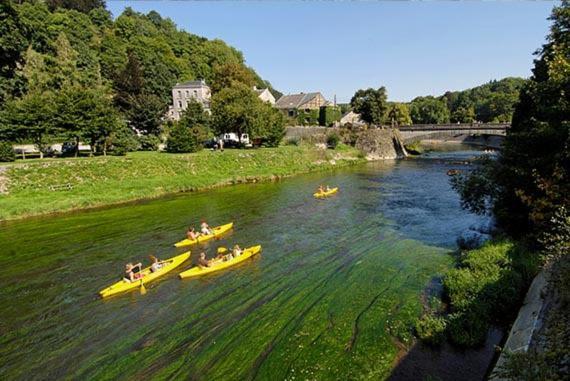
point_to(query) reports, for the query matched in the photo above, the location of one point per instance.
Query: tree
(230, 73)
(181, 139)
(497, 107)
(63, 71)
(398, 114)
(197, 121)
(370, 104)
(195, 114)
(428, 110)
(145, 113)
(235, 109)
(30, 117)
(463, 115)
(84, 6)
(122, 140)
(85, 113)
(129, 82)
(272, 125)
(13, 42)
(529, 183)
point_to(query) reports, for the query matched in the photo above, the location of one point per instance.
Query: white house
(351, 118)
(183, 92)
(265, 95)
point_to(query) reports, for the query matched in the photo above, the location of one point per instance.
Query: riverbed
(333, 294)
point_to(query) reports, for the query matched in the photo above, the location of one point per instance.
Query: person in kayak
(202, 261)
(328, 189)
(133, 272)
(321, 189)
(237, 251)
(156, 264)
(191, 234)
(206, 230)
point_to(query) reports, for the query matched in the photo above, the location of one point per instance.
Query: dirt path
(3, 180)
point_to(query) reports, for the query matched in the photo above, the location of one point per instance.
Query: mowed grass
(100, 181)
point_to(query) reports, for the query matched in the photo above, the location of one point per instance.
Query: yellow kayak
(218, 231)
(220, 265)
(148, 276)
(326, 193)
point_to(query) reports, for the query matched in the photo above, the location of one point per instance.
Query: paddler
(205, 228)
(156, 263)
(237, 251)
(191, 233)
(133, 272)
(321, 189)
(328, 188)
(202, 261)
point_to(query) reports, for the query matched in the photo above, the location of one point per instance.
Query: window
(196, 93)
(179, 104)
(179, 93)
(187, 93)
(291, 112)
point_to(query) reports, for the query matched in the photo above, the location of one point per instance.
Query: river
(333, 295)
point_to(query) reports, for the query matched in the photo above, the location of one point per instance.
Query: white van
(231, 140)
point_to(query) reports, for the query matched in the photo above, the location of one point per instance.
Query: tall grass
(486, 288)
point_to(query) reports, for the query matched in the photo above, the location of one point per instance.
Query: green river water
(332, 296)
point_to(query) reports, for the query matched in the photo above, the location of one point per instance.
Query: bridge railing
(456, 126)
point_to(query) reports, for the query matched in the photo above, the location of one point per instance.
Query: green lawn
(102, 181)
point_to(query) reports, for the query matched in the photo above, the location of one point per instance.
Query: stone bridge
(419, 132)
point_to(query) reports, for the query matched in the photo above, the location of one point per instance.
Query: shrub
(274, 122)
(333, 140)
(182, 140)
(7, 152)
(149, 142)
(488, 287)
(328, 115)
(414, 148)
(431, 329)
(468, 329)
(292, 142)
(122, 141)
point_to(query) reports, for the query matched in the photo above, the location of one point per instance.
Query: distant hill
(492, 102)
(99, 46)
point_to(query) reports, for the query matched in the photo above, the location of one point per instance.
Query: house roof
(191, 84)
(294, 100)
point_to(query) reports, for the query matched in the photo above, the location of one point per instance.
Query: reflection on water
(337, 283)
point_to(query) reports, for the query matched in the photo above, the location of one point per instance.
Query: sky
(412, 48)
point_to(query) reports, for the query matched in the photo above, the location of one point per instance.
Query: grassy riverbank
(487, 288)
(29, 186)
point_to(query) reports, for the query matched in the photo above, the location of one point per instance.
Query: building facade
(351, 118)
(265, 95)
(291, 104)
(185, 92)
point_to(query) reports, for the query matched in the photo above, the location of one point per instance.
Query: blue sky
(411, 48)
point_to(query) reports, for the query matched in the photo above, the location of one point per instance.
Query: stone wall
(527, 323)
(377, 144)
(381, 144)
(312, 134)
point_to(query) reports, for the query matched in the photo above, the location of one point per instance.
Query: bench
(60, 187)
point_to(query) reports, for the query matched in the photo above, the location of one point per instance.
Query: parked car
(231, 140)
(211, 143)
